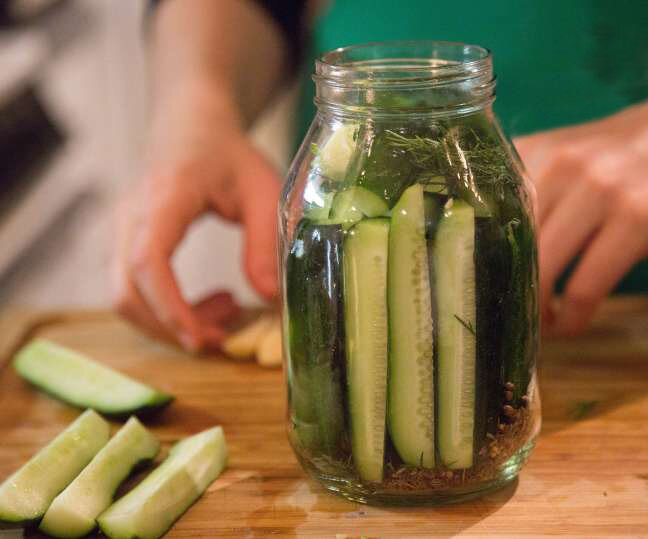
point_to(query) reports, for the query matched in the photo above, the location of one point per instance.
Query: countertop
(588, 476)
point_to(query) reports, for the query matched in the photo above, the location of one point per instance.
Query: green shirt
(558, 62)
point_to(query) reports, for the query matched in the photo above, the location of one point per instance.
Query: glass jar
(409, 275)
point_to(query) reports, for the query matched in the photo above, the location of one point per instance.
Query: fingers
(564, 233)
(593, 201)
(150, 295)
(128, 301)
(212, 311)
(259, 216)
(551, 168)
(608, 258)
(132, 306)
(156, 282)
(169, 212)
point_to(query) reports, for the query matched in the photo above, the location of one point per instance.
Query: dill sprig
(422, 150)
(485, 159)
(490, 162)
(468, 325)
(582, 409)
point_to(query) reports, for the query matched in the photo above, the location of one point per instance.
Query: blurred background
(73, 117)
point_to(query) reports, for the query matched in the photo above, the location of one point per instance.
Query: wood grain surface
(588, 476)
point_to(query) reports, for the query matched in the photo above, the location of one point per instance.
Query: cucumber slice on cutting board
(365, 286)
(411, 353)
(80, 381)
(74, 511)
(150, 509)
(26, 495)
(355, 203)
(454, 268)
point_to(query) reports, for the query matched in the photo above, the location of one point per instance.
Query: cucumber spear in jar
(454, 268)
(316, 336)
(365, 309)
(411, 362)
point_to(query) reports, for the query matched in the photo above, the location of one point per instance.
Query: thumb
(260, 197)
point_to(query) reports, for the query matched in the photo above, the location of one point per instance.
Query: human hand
(592, 185)
(199, 162)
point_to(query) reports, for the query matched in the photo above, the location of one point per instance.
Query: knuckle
(169, 320)
(144, 255)
(570, 155)
(601, 183)
(564, 160)
(140, 262)
(601, 178)
(633, 208)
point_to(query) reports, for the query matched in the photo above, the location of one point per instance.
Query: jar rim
(393, 62)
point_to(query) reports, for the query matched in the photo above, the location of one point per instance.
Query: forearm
(221, 59)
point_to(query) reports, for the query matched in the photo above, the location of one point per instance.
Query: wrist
(197, 99)
(189, 115)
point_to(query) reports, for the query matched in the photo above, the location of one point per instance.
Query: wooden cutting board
(587, 478)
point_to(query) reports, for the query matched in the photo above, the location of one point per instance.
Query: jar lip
(404, 61)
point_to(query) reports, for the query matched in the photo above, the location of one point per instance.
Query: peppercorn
(509, 411)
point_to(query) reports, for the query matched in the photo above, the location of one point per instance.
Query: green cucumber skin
(178, 482)
(365, 285)
(455, 283)
(493, 276)
(115, 454)
(106, 529)
(86, 435)
(520, 347)
(411, 353)
(300, 403)
(316, 321)
(325, 324)
(39, 353)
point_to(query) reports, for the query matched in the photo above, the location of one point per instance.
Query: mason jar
(409, 280)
